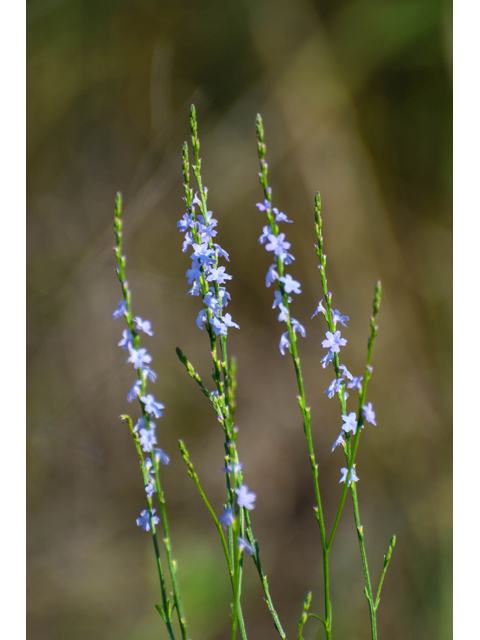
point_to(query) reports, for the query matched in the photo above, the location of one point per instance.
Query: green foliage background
(356, 100)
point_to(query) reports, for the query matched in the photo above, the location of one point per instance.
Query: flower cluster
(205, 276)
(344, 380)
(145, 428)
(275, 242)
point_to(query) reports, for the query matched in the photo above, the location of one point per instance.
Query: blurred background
(356, 100)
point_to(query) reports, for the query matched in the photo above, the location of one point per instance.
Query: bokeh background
(356, 100)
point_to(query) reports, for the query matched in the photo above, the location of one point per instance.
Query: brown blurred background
(356, 100)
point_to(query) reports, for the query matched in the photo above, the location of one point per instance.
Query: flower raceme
(205, 275)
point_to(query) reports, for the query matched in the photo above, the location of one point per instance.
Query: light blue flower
(161, 456)
(338, 441)
(144, 519)
(148, 438)
(127, 340)
(350, 422)
(243, 544)
(334, 341)
(325, 361)
(337, 317)
(121, 310)
(290, 285)
(319, 309)
(369, 413)
(135, 390)
(352, 477)
(246, 498)
(144, 325)
(271, 276)
(149, 489)
(284, 342)
(139, 357)
(152, 405)
(227, 518)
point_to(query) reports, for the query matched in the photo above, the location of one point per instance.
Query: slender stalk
(263, 175)
(166, 611)
(351, 447)
(142, 376)
(193, 475)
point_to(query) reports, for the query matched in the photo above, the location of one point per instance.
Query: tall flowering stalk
(144, 434)
(352, 423)
(207, 279)
(276, 242)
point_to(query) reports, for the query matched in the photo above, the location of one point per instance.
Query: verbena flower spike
(144, 435)
(207, 280)
(208, 283)
(352, 422)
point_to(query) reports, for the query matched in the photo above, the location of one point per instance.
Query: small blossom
(227, 518)
(271, 276)
(144, 325)
(296, 326)
(277, 244)
(352, 475)
(227, 319)
(336, 317)
(284, 342)
(139, 357)
(265, 206)
(325, 361)
(144, 519)
(350, 422)
(121, 310)
(237, 466)
(186, 222)
(149, 489)
(245, 498)
(223, 296)
(334, 387)
(135, 390)
(334, 341)
(346, 373)
(290, 285)
(338, 441)
(286, 258)
(221, 252)
(319, 309)
(194, 273)
(267, 230)
(127, 340)
(219, 327)
(152, 405)
(278, 300)
(284, 313)
(355, 383)
(147, 438)
(369, 413)
(243, 544)
(149, 373)
(161, 456)
(280, 217)
(188, 241)
(201, 318)
(196, 288)
(140, 424)
(218, 275)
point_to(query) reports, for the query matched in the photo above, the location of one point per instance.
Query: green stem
(172, 564)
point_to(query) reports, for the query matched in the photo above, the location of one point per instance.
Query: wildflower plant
(208, 280)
